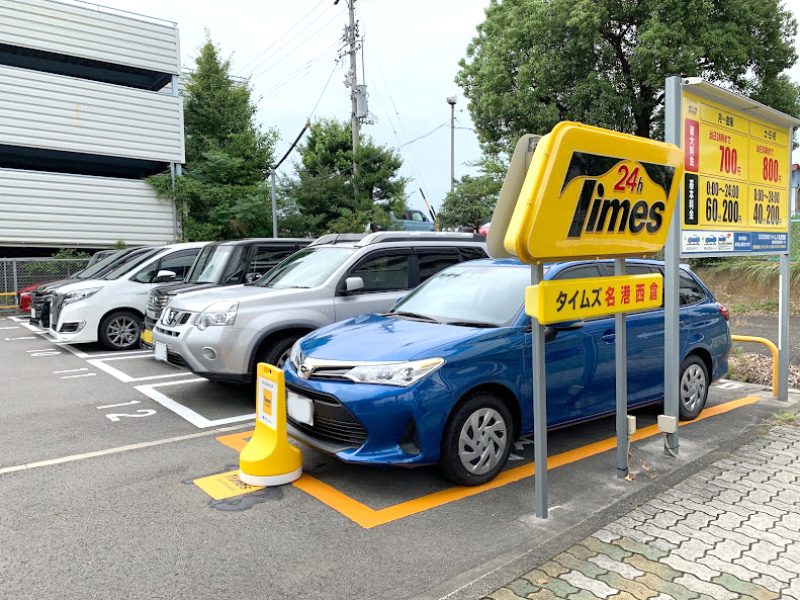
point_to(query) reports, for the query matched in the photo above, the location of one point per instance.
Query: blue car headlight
(401, 374)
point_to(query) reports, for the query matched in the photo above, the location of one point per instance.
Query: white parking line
(77, 376)
(71, 370)
(14, 327)
(194, 418)
(82, 354)
(102, 364)
(74, 457)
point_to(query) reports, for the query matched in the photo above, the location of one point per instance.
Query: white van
(111, 309)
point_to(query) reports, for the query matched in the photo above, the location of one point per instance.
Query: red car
(25, 296)
(484, 229)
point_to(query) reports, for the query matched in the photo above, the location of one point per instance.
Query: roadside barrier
(8, 301)
(773, 348)
(269, 459)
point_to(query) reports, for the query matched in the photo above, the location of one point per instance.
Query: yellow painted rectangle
(147, 336)
(581, 299)
(224, 485)
(724, 118)
(723, 153)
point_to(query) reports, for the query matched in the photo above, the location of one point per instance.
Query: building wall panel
(83, 32)
(42, 110)
(56, 210)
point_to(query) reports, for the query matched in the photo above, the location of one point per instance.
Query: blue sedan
(445, 376)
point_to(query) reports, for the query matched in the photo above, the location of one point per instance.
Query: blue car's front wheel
(477, 440)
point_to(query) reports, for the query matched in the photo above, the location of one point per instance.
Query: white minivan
(111, 309)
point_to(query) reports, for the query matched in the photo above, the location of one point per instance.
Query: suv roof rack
(420, 236)
(338, 238)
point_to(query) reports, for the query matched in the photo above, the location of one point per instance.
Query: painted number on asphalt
(143, 412)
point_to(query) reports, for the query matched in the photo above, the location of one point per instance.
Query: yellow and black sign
(736, 186)
(580, 299)
(592, 193)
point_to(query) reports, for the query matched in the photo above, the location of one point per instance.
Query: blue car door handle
(609, 336)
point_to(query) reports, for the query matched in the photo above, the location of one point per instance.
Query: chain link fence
(19, 273)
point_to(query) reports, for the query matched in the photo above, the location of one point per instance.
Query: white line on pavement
(72, 370)
(194, 418)
(75, 457)
(102, 364)
(76, 376)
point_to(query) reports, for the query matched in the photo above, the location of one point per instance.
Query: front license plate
(33, 313)
(299, 408)
(147, 336)
(161, 351)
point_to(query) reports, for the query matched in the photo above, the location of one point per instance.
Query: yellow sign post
(268, 459)
(578, 299)
(592, 193)
(588, 193)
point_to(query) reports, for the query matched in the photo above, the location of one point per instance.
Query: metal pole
(539, 405)
(452, 147)
(353, 95)
(621, 352)
(784, 305)
(672, 338)
(14, 273)
(274, 206)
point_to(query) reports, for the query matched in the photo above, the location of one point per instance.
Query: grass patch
(787, 418)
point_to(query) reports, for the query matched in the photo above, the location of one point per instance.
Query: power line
(300, 72)
(285, 33)
(291, 50)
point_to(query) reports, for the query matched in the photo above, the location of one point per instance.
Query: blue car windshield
(307, 268)
(464, 294)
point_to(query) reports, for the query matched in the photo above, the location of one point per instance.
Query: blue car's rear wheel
(477, 440)
(693, 387)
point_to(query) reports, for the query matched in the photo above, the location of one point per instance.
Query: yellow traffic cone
(268, 459)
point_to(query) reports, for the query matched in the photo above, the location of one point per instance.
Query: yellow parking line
(368, 517)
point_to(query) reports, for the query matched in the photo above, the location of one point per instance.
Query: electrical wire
(300, 72)
(285, 33)
(291, 50)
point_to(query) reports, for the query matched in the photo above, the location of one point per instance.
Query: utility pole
(351, 38)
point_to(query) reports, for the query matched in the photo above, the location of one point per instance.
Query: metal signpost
(576, 200)
(735, 196)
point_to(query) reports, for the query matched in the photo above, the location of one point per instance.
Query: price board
(736, 183)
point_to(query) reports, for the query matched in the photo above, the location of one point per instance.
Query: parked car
(111, 309)
(484, 229)
(445, 376)
(221, 264)
(43, 293)
(412, 220)
(222, 333)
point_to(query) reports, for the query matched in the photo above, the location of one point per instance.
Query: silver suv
(222, 333)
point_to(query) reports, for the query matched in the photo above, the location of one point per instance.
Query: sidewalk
(729, 531)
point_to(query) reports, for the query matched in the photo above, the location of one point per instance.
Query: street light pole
(451, 100)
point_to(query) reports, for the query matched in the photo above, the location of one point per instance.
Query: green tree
(222, 193)
(534, 63)
(471, 203)
(324, 189)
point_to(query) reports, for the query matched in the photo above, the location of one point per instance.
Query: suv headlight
(79, 295)
(401, 374)
(218, 314)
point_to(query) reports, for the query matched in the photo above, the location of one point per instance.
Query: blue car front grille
(332, 421)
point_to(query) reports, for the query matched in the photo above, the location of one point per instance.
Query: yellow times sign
(591, 193)
(580, 299)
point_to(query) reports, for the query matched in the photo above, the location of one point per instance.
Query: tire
(477, 440)
(120, 330)
(693, 387)
(277, 352)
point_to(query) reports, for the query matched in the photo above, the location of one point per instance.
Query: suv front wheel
(277, 352)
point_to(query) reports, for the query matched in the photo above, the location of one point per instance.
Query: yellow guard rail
(772, 347)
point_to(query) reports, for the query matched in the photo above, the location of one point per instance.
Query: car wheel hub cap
(693, 387)
(482, 441)
(122, 332)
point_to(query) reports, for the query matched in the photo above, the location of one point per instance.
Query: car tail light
(724, 312)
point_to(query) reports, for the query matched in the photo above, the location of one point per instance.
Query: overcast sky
(410, 58)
